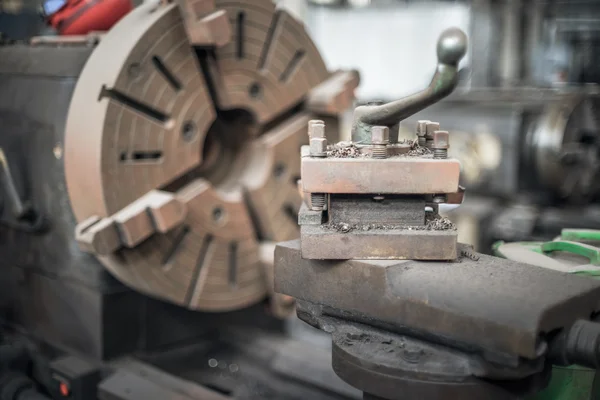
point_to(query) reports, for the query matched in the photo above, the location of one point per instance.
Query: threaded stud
(379, 151)
(440, 154)
(317, 201)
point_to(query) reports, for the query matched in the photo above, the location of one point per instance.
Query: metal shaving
(349, 150)
(417, 151)
(433, 223)
(469, 252)
(344, 150)
(439, 223)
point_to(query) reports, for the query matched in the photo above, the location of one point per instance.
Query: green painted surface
(573, 383)
(590, 252)
(580, 235)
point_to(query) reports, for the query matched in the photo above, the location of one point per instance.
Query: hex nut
(441, 140)
(316, 129)
(432, 127)
(318, 147)
(380, 135)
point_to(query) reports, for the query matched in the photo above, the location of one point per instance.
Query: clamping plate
(182, 146)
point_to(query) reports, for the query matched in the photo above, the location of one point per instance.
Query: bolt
(318, 147)
(380, 138)
(317, 201)
(316, 129)
(318, 141)
(422, 132)
(430, 128)
(441, 143)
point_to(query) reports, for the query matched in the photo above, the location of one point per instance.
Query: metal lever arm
(451, 47)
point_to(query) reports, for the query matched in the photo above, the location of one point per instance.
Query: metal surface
(18, 57)
(510, 62)
(216, 130)
(205, 26)
(322, 243)
(399, 367)
(137, 380)
(391, 175)
(128, 386)
(391, 210)
(469, 303)
(562, 146)
(335, 95)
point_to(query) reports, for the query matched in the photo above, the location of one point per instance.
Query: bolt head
(422, 127)
(432, 127)
(316, 129)
(441, 140)
(380, 135)
(318, 147)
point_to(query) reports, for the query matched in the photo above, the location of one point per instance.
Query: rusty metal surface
(404, 175)
(270, 177)
(270, 65)
(335, 95)
(205, 26)
(322, 243)
(217, 131)
(456, 198)
(155, 212)
(470, 303)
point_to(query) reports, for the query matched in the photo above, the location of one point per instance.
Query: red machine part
(79, 17)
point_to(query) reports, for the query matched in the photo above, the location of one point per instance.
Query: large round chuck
(182, 147)
(562, 148)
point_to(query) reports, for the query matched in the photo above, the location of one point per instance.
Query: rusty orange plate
(400, 175)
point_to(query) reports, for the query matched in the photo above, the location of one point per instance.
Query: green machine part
(575, 252)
